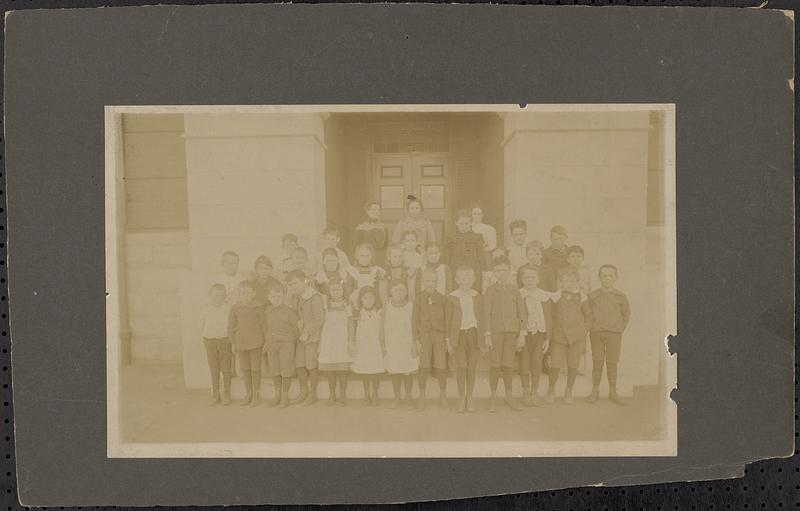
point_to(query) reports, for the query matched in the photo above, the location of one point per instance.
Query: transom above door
(425, 175)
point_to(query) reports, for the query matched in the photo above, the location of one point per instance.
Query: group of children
(427, 310)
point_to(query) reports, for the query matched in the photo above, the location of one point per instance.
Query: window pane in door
(392, 197)
(432, 196)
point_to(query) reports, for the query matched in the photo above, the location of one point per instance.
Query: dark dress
(374, 234)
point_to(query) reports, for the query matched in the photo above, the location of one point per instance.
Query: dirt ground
(156, 407)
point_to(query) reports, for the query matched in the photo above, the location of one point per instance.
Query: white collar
(459, 294)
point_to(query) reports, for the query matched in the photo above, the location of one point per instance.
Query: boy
(281, 340)
(433, 256)
(300, 262)
(575, 262)
(289, 243)
(429, 329)
(230, 276)
(214, 329)
(555, 256)
(516, 251)
(465, 317)
(247, 330)
(412, 259)
(572, 318)
(537, 335)
(330, 239)
(311, 311)
(465, 248)
(263, 279)
(504, 324)
(534, 251)
(610, 315)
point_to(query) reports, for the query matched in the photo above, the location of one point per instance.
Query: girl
(337, 333)
(394, 270)
(364, 272)
(366, 346)
(399, 352)
(333, 271)
(488, 232)
(373, 232)
(415, 221)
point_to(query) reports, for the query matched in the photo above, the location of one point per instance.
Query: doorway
(426, 175)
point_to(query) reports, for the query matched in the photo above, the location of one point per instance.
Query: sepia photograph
(390, 280)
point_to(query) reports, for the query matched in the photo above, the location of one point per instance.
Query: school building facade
(193, 185)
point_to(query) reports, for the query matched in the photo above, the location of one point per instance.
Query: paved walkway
(157, 408)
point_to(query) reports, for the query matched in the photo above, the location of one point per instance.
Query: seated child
(337, 333)
(505, 321)
(412, 258)
(572, 318)
(231, 276)
(333, 271)
(465, 316)
(537, 335)
(263, 279)
(555, 256)
(465, 248)
(575, 262)
(433, 261)
(247, 330)
(214, 330)
(281, 341)
(610, 315)
(330, 240)
(516, 251)
(548, 279)
(310, 309)
(400, 356)
(430, 332)
(366, 345)
(364, 272)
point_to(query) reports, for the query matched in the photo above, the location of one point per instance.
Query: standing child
(548, 279)
(537, 335)
(247, 329)
(572, 318)
(397, 342)
(488, 232)
(364, 272)
(281, 343)
(330, 240)
(300, 262)
(466, 318)
(289, 242)
(610, 315)
(373, 232)
(214, 329)
(337, 333)
(263, 279)
(311, 311)
(333, 271)
(516, 251)
(505, 320)
(230, 277)
(412, 257)
(555, 256)
(430, 336)
(433, 261)
(465, 248)
(575, 263)
(366, 346)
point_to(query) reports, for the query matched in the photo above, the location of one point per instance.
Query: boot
(593, 396)
(215, 398)
(256, 376)
(537, 401)
(462, 404)
(527, 398)
(422, 399)
(248, 385)
(614, 397)
(470, 404)
(511, 403)
(491, 403)
(568, 397)
(226, 389)
(443, 401)
(284, 399)
(550, 398)
(256, 401)
(312, 397)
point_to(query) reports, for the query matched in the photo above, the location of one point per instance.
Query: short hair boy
(611, 313)
(289, 242)
(429, 328)
(247, 330)
(515, 250)
(538, 334)
(230, 276)
(466, 317)
(555, 256)
(433, 261)
(465, 248)
(505, 317)
(263, 279)
(548, 278)
(575, 258)
(281, 341)
(331, 237)
(311, 311)
(572, 318)
(214, 330)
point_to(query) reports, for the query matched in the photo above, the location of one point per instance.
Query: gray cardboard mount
(729, 71)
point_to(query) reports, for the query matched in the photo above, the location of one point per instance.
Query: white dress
(368, 358)
(399, 339)
(333, 354)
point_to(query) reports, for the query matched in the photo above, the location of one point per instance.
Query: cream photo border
(116, 448)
